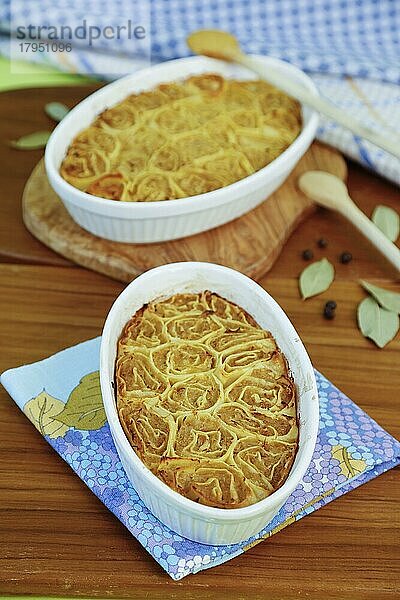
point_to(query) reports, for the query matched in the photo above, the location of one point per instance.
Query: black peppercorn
(322, 243)
(307, 254)
(331, 305)
(345, 257)
(329, 313)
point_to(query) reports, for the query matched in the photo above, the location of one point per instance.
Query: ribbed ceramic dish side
(167, 228)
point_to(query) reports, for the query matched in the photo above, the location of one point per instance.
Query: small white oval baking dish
(206, 524)
(144, 222)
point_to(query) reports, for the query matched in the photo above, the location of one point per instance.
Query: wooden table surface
(56, 538)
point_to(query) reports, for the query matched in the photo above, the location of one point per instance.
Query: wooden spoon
(224, 46)
(331, 192)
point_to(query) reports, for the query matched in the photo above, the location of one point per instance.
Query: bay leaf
(386, 298)
(387, 220)
(377, 323)
(56, 110)
(42, 411)
(316, 278)
(84, 408)
(32, 141)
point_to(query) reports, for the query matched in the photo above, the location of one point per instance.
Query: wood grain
(23, 112)
(58, 539)
(250, 244)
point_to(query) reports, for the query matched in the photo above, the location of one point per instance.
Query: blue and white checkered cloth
(351, 48)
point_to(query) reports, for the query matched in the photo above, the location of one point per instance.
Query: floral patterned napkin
(61, 396)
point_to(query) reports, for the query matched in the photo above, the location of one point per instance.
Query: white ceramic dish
(143, 222)
(192, 520)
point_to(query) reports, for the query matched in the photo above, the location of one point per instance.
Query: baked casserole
(182, 139)
(206, 400)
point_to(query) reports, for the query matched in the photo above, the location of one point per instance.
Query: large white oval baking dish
(143, 222)
(192, 520)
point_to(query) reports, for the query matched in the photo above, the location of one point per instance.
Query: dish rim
(305, 449)
(189, 203)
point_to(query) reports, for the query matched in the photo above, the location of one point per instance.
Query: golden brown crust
(110, 185)
(206, 399)
(183, 139)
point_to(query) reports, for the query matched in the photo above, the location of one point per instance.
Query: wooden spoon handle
(323, 106)
(371, 231)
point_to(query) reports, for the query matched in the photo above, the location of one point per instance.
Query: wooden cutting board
(250, 244)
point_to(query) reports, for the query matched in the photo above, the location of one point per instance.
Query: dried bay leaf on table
(42, 411)
(387, 220)
(56, 110)
(386, 298)
(316, 278)
(32, 141)
(377, 323)
(84, 408)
